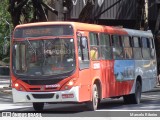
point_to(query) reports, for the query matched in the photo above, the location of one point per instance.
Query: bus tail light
(18, 87)
(69, 84)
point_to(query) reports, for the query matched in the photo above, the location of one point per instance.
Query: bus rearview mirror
(83, 42)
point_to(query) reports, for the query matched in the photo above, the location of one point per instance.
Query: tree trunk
(58, 5)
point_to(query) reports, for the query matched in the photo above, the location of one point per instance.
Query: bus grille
(41, 82)
(43, 96)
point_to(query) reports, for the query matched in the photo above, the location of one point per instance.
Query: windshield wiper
(33, 50)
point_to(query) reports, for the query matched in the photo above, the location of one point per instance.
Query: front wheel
(38, 106)
(92, 105)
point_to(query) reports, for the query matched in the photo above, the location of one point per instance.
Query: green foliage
(4, 27)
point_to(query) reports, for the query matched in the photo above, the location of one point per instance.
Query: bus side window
(83, 54)
(145, 48)
(94, 46)
(151, 45)
(128, 53)
(106, 51)
(117, 47)
(137, 48)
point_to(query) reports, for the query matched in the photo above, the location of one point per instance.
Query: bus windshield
(43, 57)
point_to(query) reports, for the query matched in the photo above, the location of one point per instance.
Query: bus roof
(93, 28)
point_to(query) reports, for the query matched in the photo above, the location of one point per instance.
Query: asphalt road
(150, 101)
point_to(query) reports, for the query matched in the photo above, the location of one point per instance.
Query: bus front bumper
(71, 95)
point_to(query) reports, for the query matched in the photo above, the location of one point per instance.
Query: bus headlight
(18, 87)
(69, 84)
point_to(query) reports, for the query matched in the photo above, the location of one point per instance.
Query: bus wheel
(92, 105)
(134, 98)
(38, 106)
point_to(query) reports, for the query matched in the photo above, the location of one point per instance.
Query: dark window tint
(104, 39)
(116, 41)
(93, 39)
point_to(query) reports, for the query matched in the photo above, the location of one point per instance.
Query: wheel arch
(139, 78)
(97, 81)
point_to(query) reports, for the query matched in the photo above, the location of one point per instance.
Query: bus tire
(136, 97)
(38, 106)
(93, 104)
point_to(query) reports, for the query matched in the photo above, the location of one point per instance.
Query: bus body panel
(71, 95)
(85, 85)
(124, 76)
(108, 84)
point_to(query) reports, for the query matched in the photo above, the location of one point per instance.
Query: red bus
(71, 62)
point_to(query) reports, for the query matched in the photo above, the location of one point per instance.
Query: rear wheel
(136, 97)
(38, 106)
(92, 105)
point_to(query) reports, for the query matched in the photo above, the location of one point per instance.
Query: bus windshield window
(44, 57)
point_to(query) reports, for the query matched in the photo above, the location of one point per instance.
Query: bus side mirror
(83, 42)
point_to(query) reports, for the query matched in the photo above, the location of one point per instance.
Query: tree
(26, 11)
(5, 24)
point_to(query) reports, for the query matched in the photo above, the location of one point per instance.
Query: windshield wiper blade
(34, 51)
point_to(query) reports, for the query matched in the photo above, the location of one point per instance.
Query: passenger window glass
(146, 53)
(104, 39)
(116, 41)
(128, 54)
(117, 47)
(144, 43)
(151, 43)
(137, 53)
(136, 42)
(152, 51)
(94, 46)
(106, 51)
(126, 41)
(83, 52)
(93, 39)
